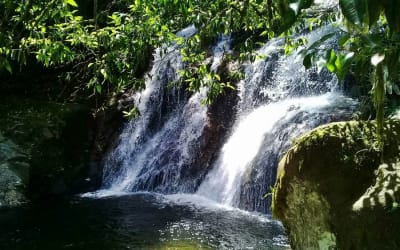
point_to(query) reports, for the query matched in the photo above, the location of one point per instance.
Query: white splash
(223, 182)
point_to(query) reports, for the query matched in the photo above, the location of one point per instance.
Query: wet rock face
(14, 170)
(220, 119)
(103, 134)
(43, 149)
(332, 193)
(220, 115)
(203, 151)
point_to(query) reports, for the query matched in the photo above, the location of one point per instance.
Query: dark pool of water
(139, 221)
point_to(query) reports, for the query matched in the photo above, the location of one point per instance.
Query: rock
(386, 190)
(216, 131)
(43, 149)
(330, 193)
(14, 171)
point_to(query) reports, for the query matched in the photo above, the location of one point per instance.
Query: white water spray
(224, 182)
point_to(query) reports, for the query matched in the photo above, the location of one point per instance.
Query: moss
(337, 162)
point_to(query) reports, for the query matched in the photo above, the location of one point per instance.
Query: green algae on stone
(324, 174)
(386, 190)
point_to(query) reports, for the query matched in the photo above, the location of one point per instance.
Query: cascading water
(167, 149)
(245, 169)
(279, 101)
(158, 150)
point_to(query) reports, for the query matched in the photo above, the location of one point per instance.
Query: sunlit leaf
(72, 3)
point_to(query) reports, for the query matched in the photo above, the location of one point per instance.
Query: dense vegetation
(105, 48)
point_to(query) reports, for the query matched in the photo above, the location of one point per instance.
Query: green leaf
(353, 10)
(104, 73)
(339, 63)
(361, 6)
(319, 42)
(396, 89)
(343, 39)
(131, 114)
(7, 66)
(72, 3)
(264, 33)
(330, 67)
(287, 13)
(98, 88)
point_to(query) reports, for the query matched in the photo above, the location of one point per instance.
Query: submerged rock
(333, 193)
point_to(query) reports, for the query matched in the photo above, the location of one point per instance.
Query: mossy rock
(323, 176)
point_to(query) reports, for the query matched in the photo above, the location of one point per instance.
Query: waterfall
(279, 101)
(157, 151)
(227, 152)
(264, 133)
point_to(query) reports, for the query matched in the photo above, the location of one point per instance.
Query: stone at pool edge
(324, 174)
(44, 149)
(14, 171)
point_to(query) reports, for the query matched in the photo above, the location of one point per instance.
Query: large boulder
(332, 192)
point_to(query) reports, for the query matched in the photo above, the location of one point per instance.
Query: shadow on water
(140, 221)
